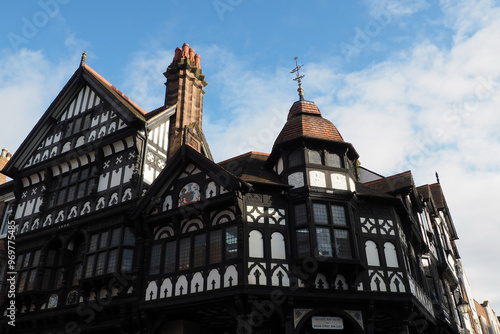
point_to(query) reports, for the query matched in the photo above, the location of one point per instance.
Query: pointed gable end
(86, 110)
(189, 177)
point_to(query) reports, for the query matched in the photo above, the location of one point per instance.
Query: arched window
(278, 246)
(256, 244)
(372, 256)
(391, 256)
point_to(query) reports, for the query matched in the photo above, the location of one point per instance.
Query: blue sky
(412, 84)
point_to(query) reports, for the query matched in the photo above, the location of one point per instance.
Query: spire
(298, 78)
(84, 56)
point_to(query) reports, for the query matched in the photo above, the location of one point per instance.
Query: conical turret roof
(305, 120)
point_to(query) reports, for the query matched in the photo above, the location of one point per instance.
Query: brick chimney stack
(4, 158)
(185, 87)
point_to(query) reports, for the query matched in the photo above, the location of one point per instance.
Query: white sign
(327, 323)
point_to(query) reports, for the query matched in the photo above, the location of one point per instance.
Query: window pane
(170, 256)
(104, 240)
(200, 246)
(112, 260)
(154, 264)
(90, 265)
(324, 239)
(46, 279)
(31, 279)
(303, 242)
(26, 260)
(73, 177)
(22, 280)
(61, 197)
(101, 258)
(128, 256)
(64, 181)
(295, 158)
(231, 242)
(129, 238)
(36, 258)
(93, 243)
(215, 246)
(338, 215)
(58, 279)
(81, 190)
(184, 253)
(300, 215)
(333, 160)
(342, 244)
(320, 213)
(115, 237)
(71, 193)
(84, 173)
(77, 274)
(51, 258)
(19, 261)
(314, 157)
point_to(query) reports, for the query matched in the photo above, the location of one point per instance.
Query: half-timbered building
(125, 224)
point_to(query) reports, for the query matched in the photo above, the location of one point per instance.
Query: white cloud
(431, 108)
(28, 84)
(398, 7)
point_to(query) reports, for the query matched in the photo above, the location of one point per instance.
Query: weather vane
(298, 78)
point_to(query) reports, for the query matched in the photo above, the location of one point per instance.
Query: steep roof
(437, 195)
(114, 91)
(84, 75)
(393, 183)
(305, 120)
(250, 168)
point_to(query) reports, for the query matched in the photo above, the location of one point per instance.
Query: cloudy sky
(412, 84)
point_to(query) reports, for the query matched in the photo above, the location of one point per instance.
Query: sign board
(327, 323)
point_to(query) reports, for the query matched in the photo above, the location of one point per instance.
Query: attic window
(314, 157)
(295, 158)
(333, 160)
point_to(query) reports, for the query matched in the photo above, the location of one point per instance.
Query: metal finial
(437, 177)
(84, 56)
(298, 78)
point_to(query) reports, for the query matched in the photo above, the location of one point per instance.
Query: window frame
(320, 216)
(102, 245)
(227, 248)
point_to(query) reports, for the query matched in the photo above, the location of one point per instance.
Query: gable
(188, 178)
(191, 185)
(85, 119)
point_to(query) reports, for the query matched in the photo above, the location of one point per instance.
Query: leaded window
(72, 185)
(328, 235)
(197, 248)
(110, 251)
(26, 267)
